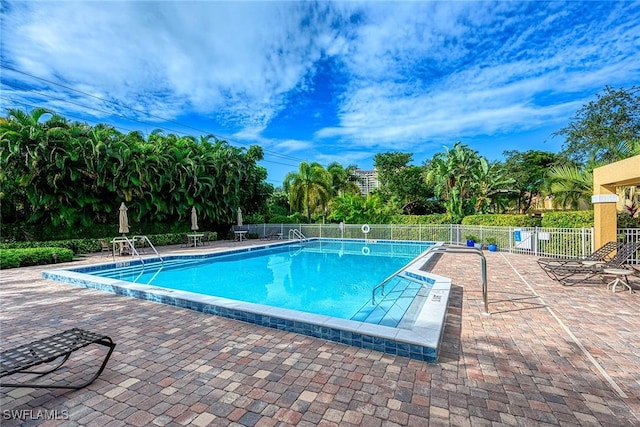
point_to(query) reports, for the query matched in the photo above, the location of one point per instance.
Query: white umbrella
(194, 219)
(123, 220)
(239, 217)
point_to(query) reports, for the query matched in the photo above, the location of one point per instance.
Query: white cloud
(407, 74)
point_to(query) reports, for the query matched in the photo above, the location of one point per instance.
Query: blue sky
(322, 81)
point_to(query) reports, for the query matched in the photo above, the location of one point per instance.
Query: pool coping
(421, 342)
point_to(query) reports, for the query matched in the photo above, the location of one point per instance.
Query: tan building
(608, 181)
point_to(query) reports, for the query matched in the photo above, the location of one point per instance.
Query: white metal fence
(539, 241)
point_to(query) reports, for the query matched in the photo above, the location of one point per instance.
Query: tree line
(60, 173)
(459, 181)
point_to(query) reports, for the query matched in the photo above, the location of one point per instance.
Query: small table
(241, 234)
(122, 245)
(618, 272)
(195, 238)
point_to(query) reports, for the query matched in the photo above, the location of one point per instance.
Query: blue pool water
(332, 278)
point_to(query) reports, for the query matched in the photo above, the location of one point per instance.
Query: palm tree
(309, 188)
(570, 185)
(452, 175)
(492, 186)
(343, 180)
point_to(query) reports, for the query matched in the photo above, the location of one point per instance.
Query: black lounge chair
(274, 235)
(59, 346)
(583, 270)
(604, 253)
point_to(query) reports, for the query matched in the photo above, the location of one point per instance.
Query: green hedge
(568, 219)
(12, 258)
(76, 246)
(627, 221)
(502, 220)
(421, 219)
(295, 218)
(85, 246)
(27, 232)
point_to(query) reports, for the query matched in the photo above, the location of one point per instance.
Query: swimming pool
(322, 287)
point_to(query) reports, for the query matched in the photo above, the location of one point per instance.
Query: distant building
(367, 181)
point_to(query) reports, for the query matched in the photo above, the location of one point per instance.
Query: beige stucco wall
(605, 181)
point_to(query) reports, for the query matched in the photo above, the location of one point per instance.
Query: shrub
(295, 218)
(254, 219)
(77, 246)
(12, 258)
(278, 219)
(421, 219)
(568, 219)
(85, 246)
(627, 221)
(502, 220)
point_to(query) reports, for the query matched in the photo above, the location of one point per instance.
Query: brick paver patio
(547, 355)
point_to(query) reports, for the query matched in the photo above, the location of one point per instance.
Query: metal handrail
(400, 270)
(143, 238)
(483, 265)
(132, 247)
(445, 249)
(296, 234)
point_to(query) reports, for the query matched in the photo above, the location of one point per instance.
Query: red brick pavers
(546, 355)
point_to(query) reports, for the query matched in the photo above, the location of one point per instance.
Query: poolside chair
(206, 238)
(572, 273)
(603, 254)
(272, 235)
(106, 247)
(20, 360)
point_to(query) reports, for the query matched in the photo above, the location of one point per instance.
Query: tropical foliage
(607, 129)
(466, 182)
(57, 173)
(403, 185)
(603, 131)
(73, 175)
(529, 171)
(309, 189)
(356, 209)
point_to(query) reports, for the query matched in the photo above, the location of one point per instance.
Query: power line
(116, 127)
(64, 115)
(143, 112)
(95, 109)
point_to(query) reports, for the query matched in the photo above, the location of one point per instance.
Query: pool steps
(390, 310)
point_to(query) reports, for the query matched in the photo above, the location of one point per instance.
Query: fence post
(510, 239)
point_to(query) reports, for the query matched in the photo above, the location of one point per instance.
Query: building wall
(368, 181)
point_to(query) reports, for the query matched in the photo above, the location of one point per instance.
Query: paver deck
(546, 355)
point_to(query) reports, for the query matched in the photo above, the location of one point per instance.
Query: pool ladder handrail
(135, 252)
(483, 266)
(153, 248)
(297, 234)
(400, 270)
(446, 249)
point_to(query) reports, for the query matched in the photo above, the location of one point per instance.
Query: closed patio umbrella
(239, 217)
(123, 220)
(194, 219)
